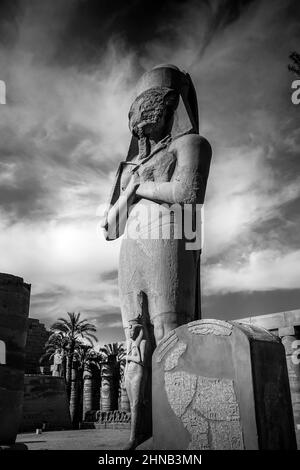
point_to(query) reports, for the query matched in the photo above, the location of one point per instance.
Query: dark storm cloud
(42, 42)
(81, 29)
(138, 22)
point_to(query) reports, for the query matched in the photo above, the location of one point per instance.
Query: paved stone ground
(85, 439)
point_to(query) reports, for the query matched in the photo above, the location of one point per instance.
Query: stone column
(14, 308)
(87, 390)
(290, 338)
(108, 393)
(74, 397)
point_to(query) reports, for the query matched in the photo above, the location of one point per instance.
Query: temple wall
(37, 336)
(14, 309)
(45, 401)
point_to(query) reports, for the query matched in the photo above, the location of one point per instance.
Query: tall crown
(168, 75)
(163, 76)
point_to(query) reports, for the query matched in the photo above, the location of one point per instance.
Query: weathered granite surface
(221, 385)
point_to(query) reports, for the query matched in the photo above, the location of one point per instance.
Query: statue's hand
(134, 183)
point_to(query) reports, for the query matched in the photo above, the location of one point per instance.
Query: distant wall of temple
(45, 401)
(14, 309)
(37, 336)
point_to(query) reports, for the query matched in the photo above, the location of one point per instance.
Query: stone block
(221, 386)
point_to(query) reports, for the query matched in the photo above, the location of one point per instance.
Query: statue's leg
(163, 323)
(171, 286)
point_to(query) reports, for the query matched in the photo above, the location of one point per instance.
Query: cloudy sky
(70, 67)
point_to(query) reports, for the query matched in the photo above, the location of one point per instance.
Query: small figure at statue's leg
(137, 374)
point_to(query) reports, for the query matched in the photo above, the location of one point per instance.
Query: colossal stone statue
(155, 203)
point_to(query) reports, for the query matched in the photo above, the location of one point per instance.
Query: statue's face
(151, 113)
(134, 331)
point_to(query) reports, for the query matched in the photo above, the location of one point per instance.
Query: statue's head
(135, 327)
(152, 112)
(158, 94)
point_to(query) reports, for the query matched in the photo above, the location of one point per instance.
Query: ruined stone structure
(14, 308)
(37, 337)
(158, 189)
(221, 386)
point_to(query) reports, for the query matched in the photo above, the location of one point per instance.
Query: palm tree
(113, 354)
(74, 330)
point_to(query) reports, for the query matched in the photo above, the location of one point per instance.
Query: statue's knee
(158, 333)
(163, 324)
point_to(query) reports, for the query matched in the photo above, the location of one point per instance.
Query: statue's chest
(159, 168)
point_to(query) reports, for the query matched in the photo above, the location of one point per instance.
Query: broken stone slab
(221, 386)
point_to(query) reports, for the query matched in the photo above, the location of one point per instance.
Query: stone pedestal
(219, 385)
(14, 308)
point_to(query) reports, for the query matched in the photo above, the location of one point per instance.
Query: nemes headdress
(169, 76)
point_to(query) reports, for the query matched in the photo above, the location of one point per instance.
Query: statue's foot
(131, 444)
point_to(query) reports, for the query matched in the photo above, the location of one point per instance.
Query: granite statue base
(221, 386)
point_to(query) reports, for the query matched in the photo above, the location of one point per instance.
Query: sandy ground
(85, 439)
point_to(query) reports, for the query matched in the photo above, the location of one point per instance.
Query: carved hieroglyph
(207, 407)
(207, 327)
(169, 341)
(172, 359)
